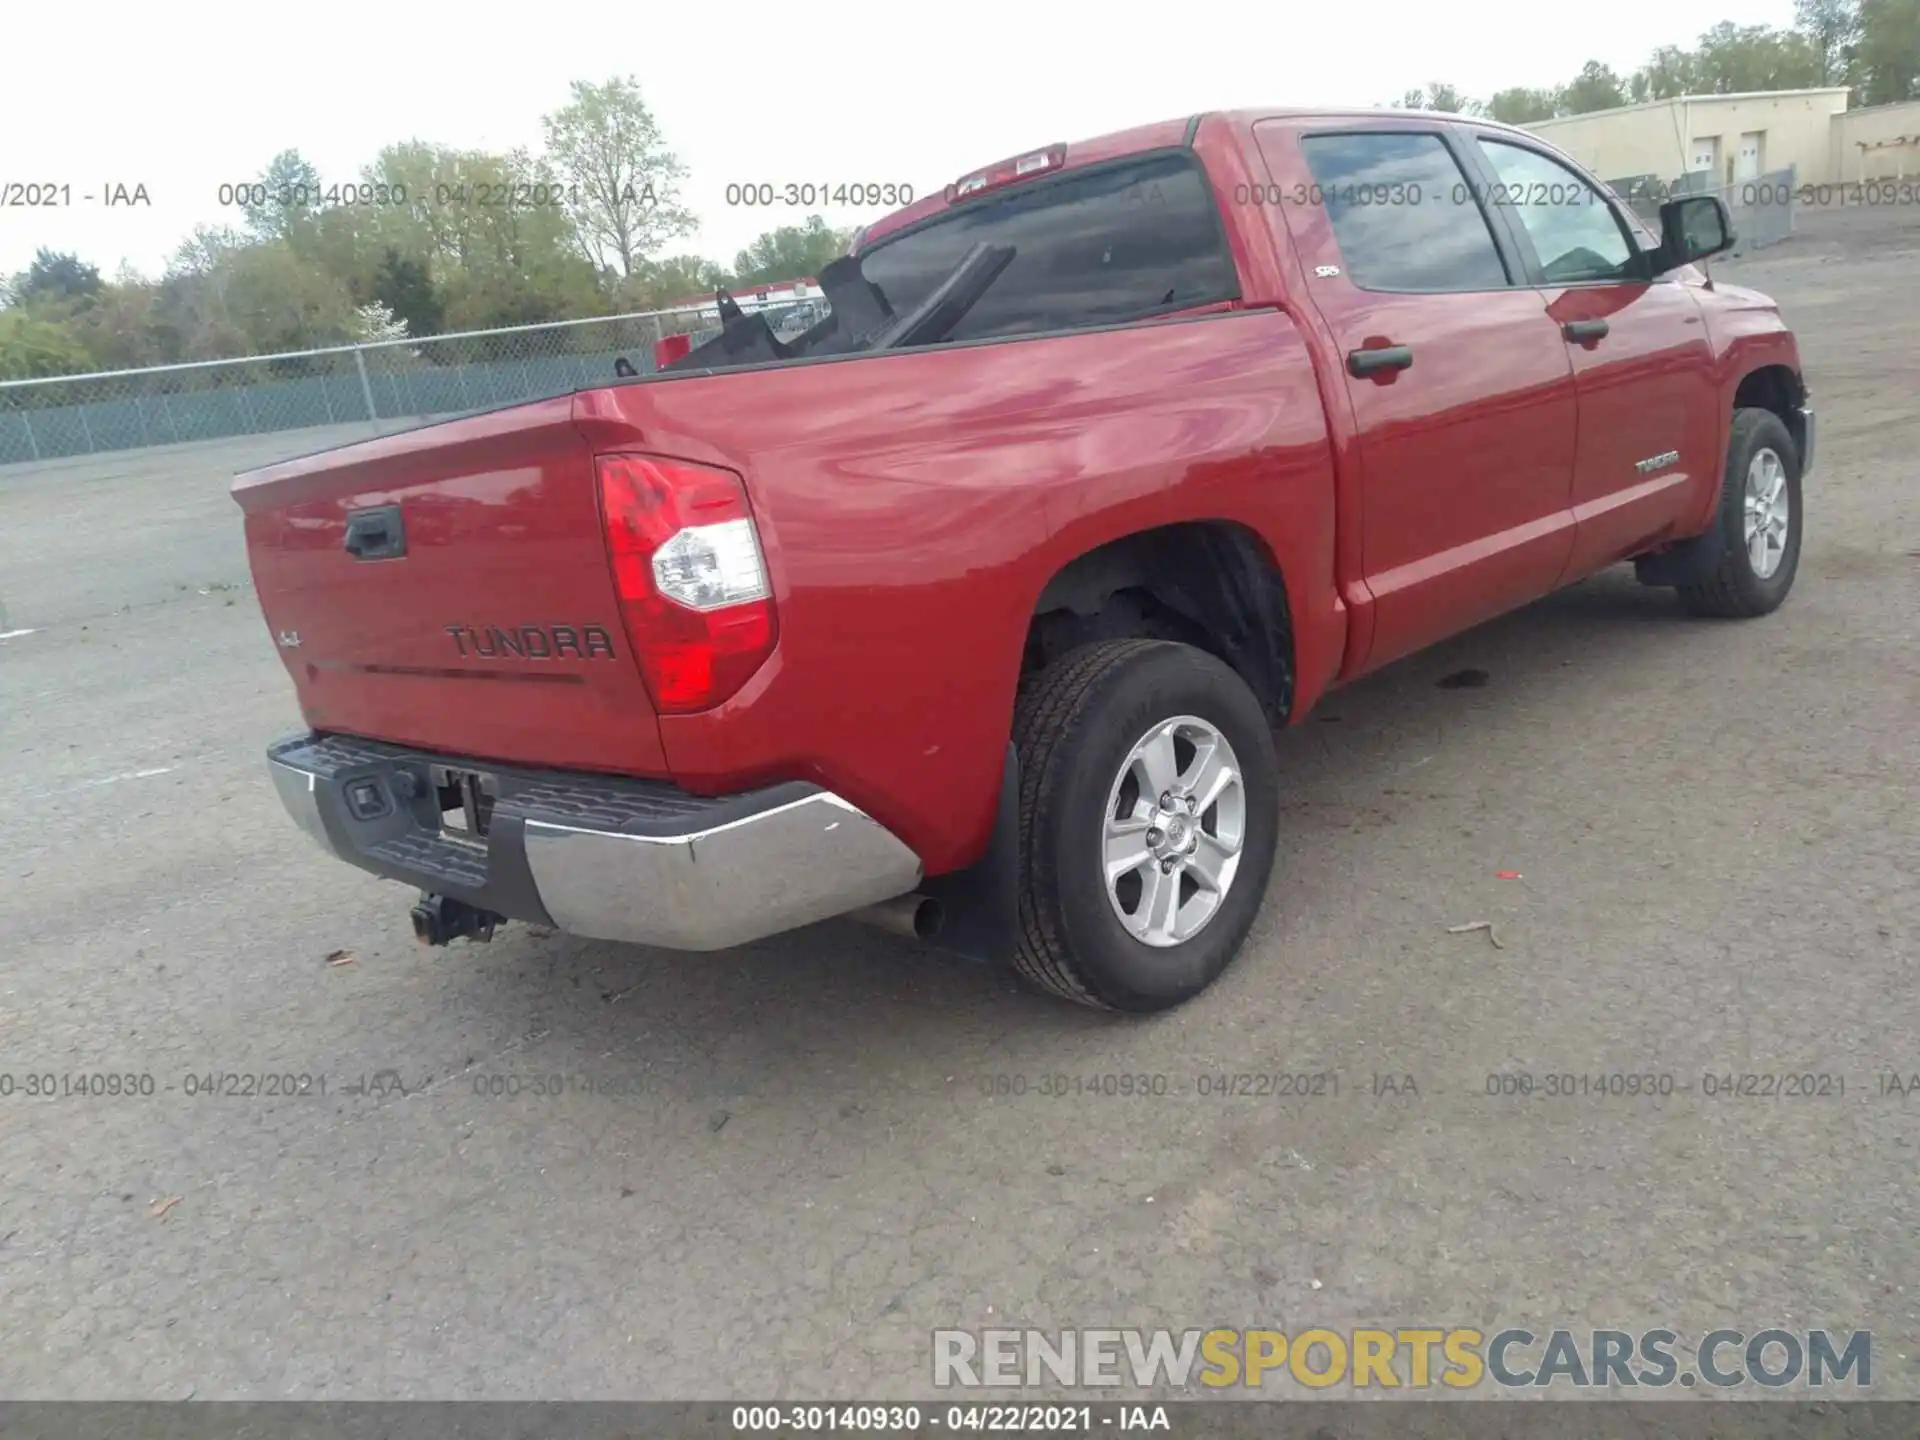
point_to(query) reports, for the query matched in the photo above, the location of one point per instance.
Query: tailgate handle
(376, 534)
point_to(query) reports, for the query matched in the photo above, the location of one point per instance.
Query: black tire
(1733, 589)
(1078, 720)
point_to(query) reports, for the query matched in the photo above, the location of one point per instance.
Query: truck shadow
(843, 1009)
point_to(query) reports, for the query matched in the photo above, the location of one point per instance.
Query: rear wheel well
(1779, 389)
(1212, 585)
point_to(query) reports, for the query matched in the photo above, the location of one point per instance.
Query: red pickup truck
(974, 609)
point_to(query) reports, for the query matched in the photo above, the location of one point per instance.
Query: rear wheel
(1148, 820)
(1759, 520)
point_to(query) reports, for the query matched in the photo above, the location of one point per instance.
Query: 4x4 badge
(289, 639)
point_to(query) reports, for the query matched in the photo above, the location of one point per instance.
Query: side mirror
(1691, 228)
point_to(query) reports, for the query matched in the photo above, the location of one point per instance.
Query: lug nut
(1166, 867)
(1166, 800)
(1154, 837)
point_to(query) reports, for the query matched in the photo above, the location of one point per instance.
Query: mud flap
(982, 902)
(1691, 562)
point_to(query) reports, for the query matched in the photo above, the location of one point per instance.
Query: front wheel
(1149, 812)
(1759, 520)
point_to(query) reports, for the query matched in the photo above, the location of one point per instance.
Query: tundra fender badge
(1657, 462)
(289, 639)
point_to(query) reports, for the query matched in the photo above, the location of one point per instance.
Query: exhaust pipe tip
(929, 917)
(917, 917)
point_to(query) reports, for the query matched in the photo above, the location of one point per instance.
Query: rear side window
(1403, 213)
(1113, 244)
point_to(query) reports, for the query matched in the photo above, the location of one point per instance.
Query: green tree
(1735, 59)
(1522, 106)
(32, 348)
(443, 217)
(203, 250)
(790, 252)
(190, 319)
(623, 181)
(279, 302)
(1595, 88)
(493, 263)
(1446, 98)
(679, 277)
(292, 200)
(1887, 55)
(120, 328)
(405, 287)
(1438, 95)
(1833, 26)
(59, 279)
(190, 311)
(1669, 73)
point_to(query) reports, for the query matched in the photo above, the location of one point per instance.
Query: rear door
(1465, 423)
(1643, 367)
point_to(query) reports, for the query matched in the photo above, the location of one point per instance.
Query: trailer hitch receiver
(440, 919)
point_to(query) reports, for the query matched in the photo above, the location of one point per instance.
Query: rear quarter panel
(913, 507)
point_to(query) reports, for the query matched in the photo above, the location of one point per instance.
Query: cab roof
(1165, 135)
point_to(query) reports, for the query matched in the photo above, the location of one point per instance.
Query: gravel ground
(795, 1170)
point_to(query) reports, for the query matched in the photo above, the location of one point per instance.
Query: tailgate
(449, 588)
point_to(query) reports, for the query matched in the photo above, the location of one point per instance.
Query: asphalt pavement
(776, 1171)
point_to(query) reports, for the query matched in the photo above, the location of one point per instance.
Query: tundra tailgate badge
(532, 642)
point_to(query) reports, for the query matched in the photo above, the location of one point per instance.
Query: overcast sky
(183, 98)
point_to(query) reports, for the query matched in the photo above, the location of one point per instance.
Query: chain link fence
(433, 377)
(1762, 208)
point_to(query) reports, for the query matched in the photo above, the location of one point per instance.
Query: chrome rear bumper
(604, 857)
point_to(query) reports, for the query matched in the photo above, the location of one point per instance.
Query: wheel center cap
(1178, 828)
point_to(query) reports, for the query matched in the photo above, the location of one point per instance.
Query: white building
(1881, 142)
(1735, 138)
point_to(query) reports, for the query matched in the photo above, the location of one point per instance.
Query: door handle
(1372, 362)
(376, 534)
(1581, 331)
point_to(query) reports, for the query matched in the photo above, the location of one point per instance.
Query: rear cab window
(1112, 243)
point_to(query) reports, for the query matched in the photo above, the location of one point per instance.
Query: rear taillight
(692, 584)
